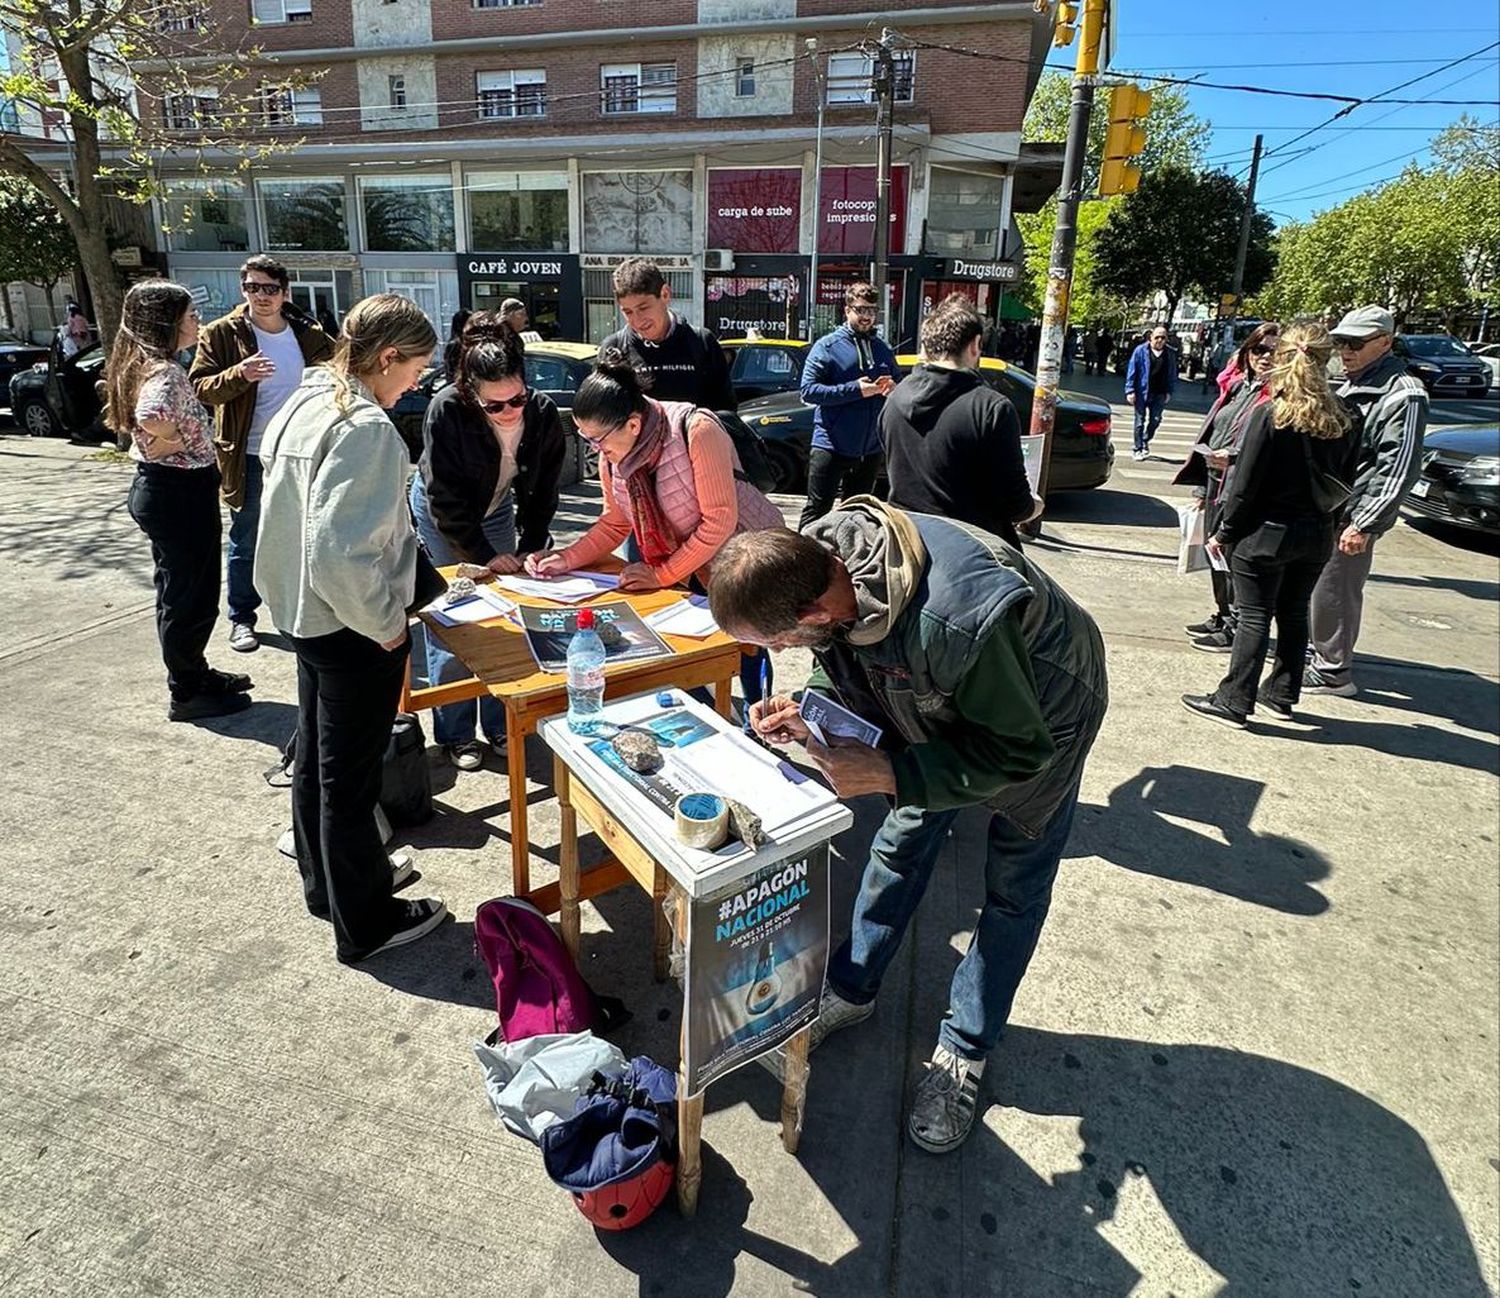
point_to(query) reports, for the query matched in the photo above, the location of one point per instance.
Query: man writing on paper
(989, 683)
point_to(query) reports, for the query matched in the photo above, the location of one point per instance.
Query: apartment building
(464, 151)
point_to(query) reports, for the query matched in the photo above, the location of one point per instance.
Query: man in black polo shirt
(685, 363)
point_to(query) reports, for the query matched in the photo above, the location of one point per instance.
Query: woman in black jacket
(485, 493)
(1279, 516)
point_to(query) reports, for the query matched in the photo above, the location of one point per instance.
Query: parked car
(1083, 455)
(1489, 353)
(760, 366)
(1460, 482)
(60, 398)
(556, 368)
(1443, 365)
(16, 354)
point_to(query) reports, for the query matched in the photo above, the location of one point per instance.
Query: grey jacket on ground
(1390, 409)
(336, 546)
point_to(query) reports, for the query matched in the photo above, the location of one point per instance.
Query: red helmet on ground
(625, 1204)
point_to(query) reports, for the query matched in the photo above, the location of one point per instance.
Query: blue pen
(765, 675)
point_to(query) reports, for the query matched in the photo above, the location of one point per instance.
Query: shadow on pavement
(1446, 693)
(1419, 742)
(1110, 508)
(443, 966)
(1487, 591)
(1460, 538)
(1138, 830)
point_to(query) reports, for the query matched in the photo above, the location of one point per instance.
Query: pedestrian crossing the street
(1176, 436)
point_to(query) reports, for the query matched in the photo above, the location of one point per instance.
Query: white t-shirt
(272, 393)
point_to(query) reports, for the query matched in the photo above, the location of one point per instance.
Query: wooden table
(503, 666)
(642, 853)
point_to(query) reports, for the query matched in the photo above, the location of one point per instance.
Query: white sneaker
(242, 638)
(467, 756)
(402, 866)
(942, 1110)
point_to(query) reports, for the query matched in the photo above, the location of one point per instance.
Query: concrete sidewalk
(1255, 1054)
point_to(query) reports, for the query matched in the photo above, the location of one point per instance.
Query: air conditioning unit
(718, 259)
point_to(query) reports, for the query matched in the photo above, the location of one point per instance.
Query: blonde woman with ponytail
(1280, 514)
(336, 562)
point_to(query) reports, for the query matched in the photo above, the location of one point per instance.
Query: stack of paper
(572, 589)
(484, 605)
(688, 617)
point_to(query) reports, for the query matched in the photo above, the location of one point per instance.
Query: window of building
(204, 216)
(963, 213)
(317, 290)
(283, 106)
(398, 92)
(304, 213)
(192, 110)
(435, 291)
(850, 77)
(518, 211)
(511, 94)
(638, 211)
(271, 12)
(504, 4)
(175, 17)
(407, 213)
(638, 87)
(744, 78)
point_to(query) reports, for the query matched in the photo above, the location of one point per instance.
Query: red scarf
(653, 532)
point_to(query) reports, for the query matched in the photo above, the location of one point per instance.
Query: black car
(62, 400)
(1460, 482)
(16, 355)
(1082, 454)
(1443, 365)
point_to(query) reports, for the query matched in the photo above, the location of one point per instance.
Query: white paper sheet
(485, 606)
(572, 589)
(689, 617)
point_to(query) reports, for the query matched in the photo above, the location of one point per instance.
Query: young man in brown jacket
(248, 363)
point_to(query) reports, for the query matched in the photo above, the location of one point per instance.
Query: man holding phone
(847, 377)
(248, 363)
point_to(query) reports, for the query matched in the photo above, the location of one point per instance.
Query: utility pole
(1244, 250)
(884, 84)
(817, 202)
(1065, 237)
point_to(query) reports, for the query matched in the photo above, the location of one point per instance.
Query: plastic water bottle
(585, 676)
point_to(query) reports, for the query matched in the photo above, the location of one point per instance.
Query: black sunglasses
(511, 403)
(259, 286)
(1261, 349)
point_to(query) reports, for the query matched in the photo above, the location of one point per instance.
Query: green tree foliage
(1426, 241)
(36, 246)
(1179, 233)
(1174, 134)
(132, 84)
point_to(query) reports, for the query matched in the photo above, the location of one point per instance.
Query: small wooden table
(504, 667)
(645, 854)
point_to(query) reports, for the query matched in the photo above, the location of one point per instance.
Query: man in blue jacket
(1150, 381)
(846, 379)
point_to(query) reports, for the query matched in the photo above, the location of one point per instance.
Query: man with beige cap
(1390, 408)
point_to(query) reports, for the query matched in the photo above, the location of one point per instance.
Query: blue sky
(1358, 47)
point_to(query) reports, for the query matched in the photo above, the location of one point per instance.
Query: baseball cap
(1364, 322)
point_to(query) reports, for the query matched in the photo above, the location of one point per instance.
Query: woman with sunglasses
(1241, 389)
(492, 456)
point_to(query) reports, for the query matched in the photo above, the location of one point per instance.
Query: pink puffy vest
(675, 491)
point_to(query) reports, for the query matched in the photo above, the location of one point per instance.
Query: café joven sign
(755, 209)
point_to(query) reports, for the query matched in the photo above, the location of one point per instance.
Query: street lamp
(817, 203)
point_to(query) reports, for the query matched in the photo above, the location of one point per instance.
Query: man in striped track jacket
(1391, 408)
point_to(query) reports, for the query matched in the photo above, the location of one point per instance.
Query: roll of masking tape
(701, 820)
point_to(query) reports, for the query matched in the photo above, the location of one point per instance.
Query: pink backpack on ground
(538, 988)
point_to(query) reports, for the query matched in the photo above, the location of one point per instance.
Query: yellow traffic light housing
(1128, 108)
(1064, 24)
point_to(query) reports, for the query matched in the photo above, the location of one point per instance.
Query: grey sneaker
(942, 1111)
(468, 756)
(1315, 682)
(242, 638)
(834, 1012)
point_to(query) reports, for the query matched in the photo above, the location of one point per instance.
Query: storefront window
(205, 216)
(435, 291)
(304, 214)
(518, 211)
(638, 211)
(963, 213)
(408, 213)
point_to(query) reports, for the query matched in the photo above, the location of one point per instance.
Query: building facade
(463, 151)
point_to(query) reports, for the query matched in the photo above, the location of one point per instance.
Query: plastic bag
(539, 1081)
(1191, 556)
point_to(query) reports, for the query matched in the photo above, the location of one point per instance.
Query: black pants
(178, 509)
(832, 477)
(1275, 569)
(347, 691)
(1222, 582)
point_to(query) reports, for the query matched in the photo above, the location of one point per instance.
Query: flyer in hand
(829, 720)
(626, 638)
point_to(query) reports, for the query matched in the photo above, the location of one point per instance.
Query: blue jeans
(453, 723)
(1018, 875)
(244, 599)
(1148, 419)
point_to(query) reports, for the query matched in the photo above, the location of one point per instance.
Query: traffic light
(1064, 24)
(1128, 107)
